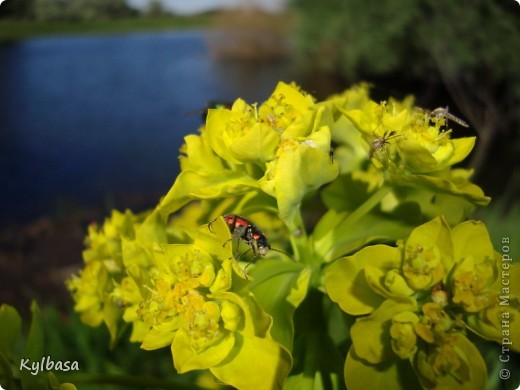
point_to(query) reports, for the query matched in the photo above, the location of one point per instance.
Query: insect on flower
(379, 143)
(443, 112)
(248, 232)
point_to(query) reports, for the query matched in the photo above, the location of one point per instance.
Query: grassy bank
(17, 30)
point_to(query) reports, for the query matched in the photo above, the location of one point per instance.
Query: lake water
(86, 119)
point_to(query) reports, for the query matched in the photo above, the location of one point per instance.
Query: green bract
(346, 205)
(427, 288)
(281, 147)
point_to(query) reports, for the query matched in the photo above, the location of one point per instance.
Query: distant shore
(12, 31)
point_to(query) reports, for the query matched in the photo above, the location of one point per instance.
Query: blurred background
(97, 95)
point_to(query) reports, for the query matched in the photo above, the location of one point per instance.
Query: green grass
(17, 30)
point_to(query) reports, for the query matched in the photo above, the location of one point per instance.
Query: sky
(194, 6)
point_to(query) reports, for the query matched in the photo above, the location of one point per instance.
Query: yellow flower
(418, 278)
(104, 243)
(411, 147)
(470, 285)
(369, 334)
(443, 361)
(301, 166)
(410, 138)
(476, 268)
(128, 296)
(448, 359)
(197, 303)
(93, 289)
(435, 325)
(89, 291)
(428, 254)
(422, 266)
(427, 147)
(281, 148)
(499, 322)
(404, 339)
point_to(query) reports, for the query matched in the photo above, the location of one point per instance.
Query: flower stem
(368, 205)
(300, 242)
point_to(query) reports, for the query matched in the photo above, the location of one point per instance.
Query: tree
(18, 9)
(464, 46)
(49, 9)
(155, 8)
(80, 10)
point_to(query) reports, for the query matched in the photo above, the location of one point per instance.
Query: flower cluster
(190, 296)
(196, 302)
(421, 297)
(104, 268)
(280, 148)
(412, 151)
(324, 181)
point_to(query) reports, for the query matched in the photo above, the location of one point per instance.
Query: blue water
(87, 118)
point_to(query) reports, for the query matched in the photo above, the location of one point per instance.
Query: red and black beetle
(246, 231)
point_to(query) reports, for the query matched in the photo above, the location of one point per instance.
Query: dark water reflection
(91, 118)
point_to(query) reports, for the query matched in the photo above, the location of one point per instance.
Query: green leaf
(279, 288)
(393, 374)
(34, 349)
(11, 325)
(336, 236)
(6, 372)
(348, 192)
(433, 203)
(450, 181)
(35, 339)
(318, 364)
